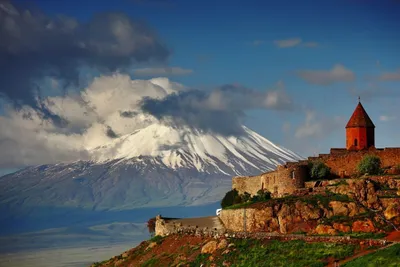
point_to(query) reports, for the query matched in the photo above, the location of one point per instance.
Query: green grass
(314, 200)
(250, 252)
(388, 257)
(158, 239)
(367, 235)
(150, 263)
(239, 206)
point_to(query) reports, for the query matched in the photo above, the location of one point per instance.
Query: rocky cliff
(338, 206)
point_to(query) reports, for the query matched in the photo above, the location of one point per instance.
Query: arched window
(355, 142)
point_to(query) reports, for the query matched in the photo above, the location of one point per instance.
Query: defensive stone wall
(344, 163)
(288, 178)
(284, 181)
(249, 184)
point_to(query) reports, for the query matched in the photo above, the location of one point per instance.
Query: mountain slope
(157, 165)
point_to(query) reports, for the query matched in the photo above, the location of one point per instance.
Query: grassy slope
(173, 250)
(388, 257)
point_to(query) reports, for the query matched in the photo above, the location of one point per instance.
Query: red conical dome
(360, 130)
(360, 118)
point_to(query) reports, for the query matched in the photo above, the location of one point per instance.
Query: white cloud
(165, 71)
(338, 73)
(386, 118)
(317, 126)
(287, 42)
(390, 76)
(27, 139)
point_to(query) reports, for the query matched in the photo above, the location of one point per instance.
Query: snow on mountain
(183, 147)
(156, 165)
(132, 157)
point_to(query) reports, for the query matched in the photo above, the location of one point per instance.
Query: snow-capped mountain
(184, 147)
(157, 165)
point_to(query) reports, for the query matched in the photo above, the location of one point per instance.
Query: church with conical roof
(291, 177)
(360, 130)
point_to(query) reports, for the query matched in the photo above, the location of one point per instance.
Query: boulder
(210, 247)
(363, 226)
(342, 228)
(151, 245)
(392, 211)
(339, 208)
(223, 244)
(322, 229)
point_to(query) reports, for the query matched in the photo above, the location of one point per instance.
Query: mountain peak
(182, 147)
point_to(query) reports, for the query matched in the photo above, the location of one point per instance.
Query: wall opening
(355, 142)
(293, 175)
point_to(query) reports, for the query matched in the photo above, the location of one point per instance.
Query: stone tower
(360, 130)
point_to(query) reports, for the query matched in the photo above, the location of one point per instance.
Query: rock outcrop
(350, 205)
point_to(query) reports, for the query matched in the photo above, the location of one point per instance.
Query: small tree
(370, 164)
(262, 195)
(230, 198)
(246, 197)
(319, 170)
(151, 226)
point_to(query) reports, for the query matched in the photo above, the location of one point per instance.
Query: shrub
(151, 226)
(319, 170)
(158, 239)
(369, 165)
(246, 197)
(230, 198)
(397, 169)
(263, 195)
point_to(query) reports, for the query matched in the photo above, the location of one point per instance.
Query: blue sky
(260, 43)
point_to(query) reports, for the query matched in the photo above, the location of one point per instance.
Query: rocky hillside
(329, 221)
(190, 250)
(367, 205)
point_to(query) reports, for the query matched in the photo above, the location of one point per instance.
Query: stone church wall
(344, 163)
(291, 176)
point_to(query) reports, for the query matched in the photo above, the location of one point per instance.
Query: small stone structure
(284, 181)
(203, 226)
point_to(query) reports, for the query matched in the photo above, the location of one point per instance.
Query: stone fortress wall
(344, 163)
(284, 180)
(288, 178)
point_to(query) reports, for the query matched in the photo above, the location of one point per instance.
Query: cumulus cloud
(286, 43)
(106, 109)
(390, 76)
(338, 73)
(317, 126)
(165, 71)
(34, 45)
(112, 106)
(219, 110)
